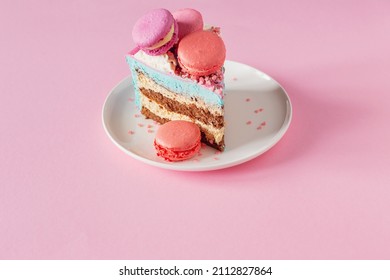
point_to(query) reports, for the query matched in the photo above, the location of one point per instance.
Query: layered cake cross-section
(180, 77)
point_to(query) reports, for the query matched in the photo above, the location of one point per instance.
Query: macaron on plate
(177, 140)
(258, 112)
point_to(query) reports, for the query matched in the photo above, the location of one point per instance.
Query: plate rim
(277, 137)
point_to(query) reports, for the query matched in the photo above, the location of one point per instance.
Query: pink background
(323, 192)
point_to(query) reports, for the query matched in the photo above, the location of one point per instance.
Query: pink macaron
(177, 140)
(155, 32)
(188, 21)
(201, 53)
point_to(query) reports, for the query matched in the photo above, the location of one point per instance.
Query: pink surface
(322, 193)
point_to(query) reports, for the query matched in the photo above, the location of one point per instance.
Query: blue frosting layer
(172, 83)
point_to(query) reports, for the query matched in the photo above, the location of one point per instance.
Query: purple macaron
(156, 32)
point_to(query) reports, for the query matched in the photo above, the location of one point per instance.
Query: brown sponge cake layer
(161, 105)
(146, 82)
(207, 137)
(189, 110)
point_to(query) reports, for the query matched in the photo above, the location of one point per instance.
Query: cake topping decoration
(156, 32)
(188, 21)
(201, 53)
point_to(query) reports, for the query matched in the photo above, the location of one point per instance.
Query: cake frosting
(166, 62)
(175, 83)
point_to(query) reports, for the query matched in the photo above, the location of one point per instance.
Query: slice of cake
(185, 81)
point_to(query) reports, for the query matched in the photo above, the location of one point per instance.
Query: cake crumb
(261, 125)
(258, 110)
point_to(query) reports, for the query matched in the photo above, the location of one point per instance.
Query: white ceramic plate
(257, 113)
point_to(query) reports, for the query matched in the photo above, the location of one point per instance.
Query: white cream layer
(161, 112)
(165, 62)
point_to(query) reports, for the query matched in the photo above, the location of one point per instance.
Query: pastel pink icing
(188, 20)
